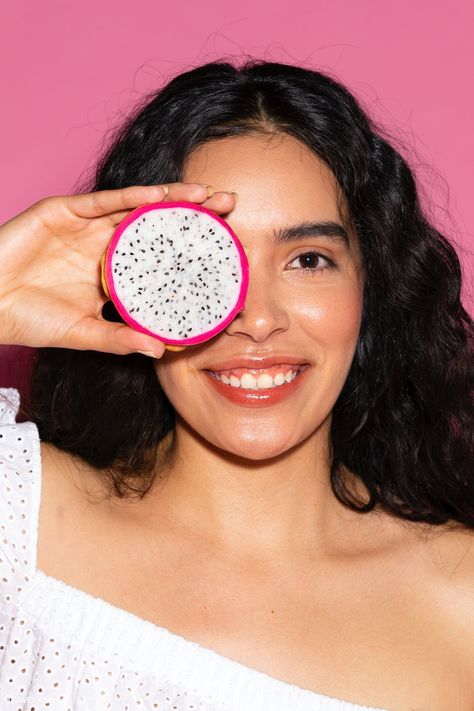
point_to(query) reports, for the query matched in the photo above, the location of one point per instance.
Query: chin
(256, 450)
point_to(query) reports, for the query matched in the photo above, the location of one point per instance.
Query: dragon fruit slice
(176, 271)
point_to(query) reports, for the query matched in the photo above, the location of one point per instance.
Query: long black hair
(403, 422)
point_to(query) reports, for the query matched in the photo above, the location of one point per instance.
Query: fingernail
(165, 188)
(236, 197)
(150, 354)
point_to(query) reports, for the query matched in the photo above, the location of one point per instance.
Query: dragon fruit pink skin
(142, 258)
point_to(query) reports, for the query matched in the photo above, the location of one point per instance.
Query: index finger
(103, 202)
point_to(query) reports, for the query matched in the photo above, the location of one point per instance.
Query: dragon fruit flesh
(176, 271)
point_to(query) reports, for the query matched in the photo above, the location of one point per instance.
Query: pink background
(70, 71)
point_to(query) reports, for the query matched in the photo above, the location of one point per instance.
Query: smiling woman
(280, 517)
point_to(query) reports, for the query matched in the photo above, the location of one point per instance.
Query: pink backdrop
(71, 70)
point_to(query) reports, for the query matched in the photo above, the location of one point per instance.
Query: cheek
(331, 316)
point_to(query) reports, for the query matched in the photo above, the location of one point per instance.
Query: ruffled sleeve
(19, 497)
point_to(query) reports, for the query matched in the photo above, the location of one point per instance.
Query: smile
(258, 379)
(256, 388)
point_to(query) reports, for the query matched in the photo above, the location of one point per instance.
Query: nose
(264, 314)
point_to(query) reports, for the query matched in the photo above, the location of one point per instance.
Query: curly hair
(403, 422)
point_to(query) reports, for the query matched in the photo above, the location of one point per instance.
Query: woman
(182, 547)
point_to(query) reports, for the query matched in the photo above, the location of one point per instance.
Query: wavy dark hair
(403, 422)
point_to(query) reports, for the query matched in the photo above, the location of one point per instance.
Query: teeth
(265, 380)
(248, 382)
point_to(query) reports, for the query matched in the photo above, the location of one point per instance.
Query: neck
(275, 509)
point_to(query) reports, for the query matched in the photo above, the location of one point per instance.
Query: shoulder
(449, 554)
(12, 433)
(447, 569)
(20, 460)
(20, 487)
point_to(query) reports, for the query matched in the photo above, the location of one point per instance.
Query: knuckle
(45, 207)
(44, 202)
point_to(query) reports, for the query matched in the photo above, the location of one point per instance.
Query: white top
(61, 648)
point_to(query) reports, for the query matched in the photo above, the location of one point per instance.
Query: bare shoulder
(65, 475)
(447, 567)
(450, 556)
(69, 492)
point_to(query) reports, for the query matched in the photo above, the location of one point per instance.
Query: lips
(258, 398)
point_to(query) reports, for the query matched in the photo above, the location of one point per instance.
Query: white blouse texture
(62, 648)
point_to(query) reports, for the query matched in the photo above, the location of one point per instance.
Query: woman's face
(303, 306)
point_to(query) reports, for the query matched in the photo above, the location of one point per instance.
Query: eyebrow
(333, 230)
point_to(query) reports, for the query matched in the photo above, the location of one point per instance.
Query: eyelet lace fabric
(63, 649)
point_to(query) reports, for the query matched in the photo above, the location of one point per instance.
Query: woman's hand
(50, 287)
